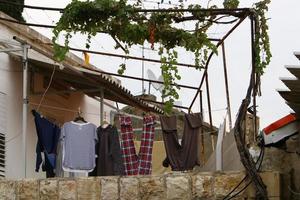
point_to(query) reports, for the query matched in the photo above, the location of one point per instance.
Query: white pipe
(25, 104)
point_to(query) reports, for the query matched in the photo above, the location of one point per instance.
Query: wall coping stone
(172, 185)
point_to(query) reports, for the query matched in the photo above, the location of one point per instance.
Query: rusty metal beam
(144, 79)
(210, 57)
(162, 103)
(127, 56)
(226, 86)
(208, 101)
(66, 91)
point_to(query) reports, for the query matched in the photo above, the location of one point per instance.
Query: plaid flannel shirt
(137, 164)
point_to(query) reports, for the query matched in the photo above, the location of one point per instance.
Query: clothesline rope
(49, 84)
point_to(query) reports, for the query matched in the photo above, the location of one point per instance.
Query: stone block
(109, 188)
(129, 188)
(88, 188)
(49, 189)
(152, 188)
(28, 189)
(179, 187)
(202, 186)
(272, 180)
(7, 190)
(224, 183)
(67, 189)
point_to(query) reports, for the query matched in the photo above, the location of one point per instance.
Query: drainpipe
(25, 103)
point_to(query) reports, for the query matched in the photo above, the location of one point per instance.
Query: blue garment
(48, 136)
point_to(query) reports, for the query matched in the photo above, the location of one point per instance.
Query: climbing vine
(128, 27)
(262, 41)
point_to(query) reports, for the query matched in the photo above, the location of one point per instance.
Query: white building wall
(11, 85)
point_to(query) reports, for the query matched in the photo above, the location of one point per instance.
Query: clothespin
(79, 111)
(86, 58)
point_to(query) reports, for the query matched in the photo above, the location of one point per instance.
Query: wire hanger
(105, 122)
(79, 118)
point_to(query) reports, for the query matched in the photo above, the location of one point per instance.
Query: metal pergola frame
(242, 14)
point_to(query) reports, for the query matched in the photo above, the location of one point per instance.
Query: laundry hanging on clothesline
(102, 151)
(109, 159)
(140, 164)
(181, 157)
(48, 135)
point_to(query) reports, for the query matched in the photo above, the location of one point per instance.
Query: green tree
(14, 11)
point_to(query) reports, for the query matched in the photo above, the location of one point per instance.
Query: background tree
(13, 10)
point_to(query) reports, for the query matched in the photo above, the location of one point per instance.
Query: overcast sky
(284, 34)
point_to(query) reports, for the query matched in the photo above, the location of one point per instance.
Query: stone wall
(287, 162)
(175, 186)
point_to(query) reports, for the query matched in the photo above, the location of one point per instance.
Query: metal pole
(209, 111)
(25, 103)
(208, 101)
(135, 78)
(143, 68)
(101, 106)
(255, 76)
(226, 86)
(202, 135)
(210, 57)
(201, 104)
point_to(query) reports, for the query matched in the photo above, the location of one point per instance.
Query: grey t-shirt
(79, 141)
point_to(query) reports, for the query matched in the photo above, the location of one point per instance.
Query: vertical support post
(143, 69)
(101, 105)
(149, 88)
(209, 110)
(25, 104)
(201, 104)
(202, 135)
(226, 86)
(208, 101)
(253, 22)
(260, 187)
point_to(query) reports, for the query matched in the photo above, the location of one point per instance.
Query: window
(2, 133)
(2, 155)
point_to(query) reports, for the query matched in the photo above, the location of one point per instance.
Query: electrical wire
(293, 192)
(31, 7)
(218, 10)
(245, 187)
(27, 24)
(260, 158)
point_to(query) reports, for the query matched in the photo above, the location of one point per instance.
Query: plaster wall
(11, 87)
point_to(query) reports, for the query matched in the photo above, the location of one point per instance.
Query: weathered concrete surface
(202, 186)
(286, 162)
(172, 186)
(49, 189)
(224, 183)
(7, 189)
(109, 188)
(152, 188)
(178, 187)
(67, 189)
(88, 188)
(28, 189)
(129, 188)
